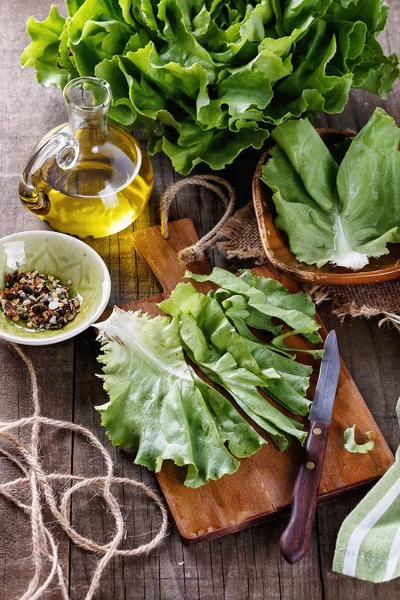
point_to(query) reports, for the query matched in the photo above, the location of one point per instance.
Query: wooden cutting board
(262, 486)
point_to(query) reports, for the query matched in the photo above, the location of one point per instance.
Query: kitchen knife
(296, 538)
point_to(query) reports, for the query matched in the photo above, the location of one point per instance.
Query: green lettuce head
(207, 78)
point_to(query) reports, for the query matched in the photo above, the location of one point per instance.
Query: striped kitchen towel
(368, 544)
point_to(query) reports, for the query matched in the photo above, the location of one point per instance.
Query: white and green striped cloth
(368, 544)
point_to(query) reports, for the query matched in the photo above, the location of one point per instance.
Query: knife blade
(296, 538)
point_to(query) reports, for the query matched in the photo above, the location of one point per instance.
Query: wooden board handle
(296, 538)
(161, 255)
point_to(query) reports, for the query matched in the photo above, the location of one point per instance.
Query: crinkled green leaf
(351, 38)
(73, 6)
(121, 110)
(238, 310)
(376, 72)
(292, 372)
(279, 344)
(269, 297)
(97, 31)
(283, 387)
(221, 150)
(223, 338)
(372, 12)
(224, 72)
(240, 383)
(337, 214)
(312, 73)
(303, 12)
(241, 438)
(154, 404)
(184, 299)
(351, 445)
(64, 53)
(42, 53)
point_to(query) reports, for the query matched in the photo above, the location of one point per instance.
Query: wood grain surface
(262, 486)
(244, 565)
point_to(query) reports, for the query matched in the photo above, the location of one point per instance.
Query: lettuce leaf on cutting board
(158, 405)
(338, 214)
(264, 299)
(268, 297)
(240, 383)
(212, 342)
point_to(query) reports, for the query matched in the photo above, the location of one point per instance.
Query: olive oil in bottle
(87, 178)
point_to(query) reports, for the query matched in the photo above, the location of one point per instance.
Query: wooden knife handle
(296, 538)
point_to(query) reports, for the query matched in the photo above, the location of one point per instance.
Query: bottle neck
(94, 118)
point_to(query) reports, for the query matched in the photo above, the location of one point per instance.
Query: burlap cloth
(237, 237)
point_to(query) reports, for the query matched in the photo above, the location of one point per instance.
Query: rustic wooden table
(239, 566)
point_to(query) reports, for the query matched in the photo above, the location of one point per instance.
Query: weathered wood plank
(247, 564)
(20, 98)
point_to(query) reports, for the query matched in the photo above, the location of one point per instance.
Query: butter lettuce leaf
(270, 298)
(159, 404)
(291, 371)
(221, 338)
(42, 53)
(242, 440)
(339, 214)
(184, 299)
(209, 79)
(154, 404)
(240, 383)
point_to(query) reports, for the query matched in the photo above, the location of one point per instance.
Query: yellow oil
(102, 194)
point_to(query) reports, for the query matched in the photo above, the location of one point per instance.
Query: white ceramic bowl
(66, 258)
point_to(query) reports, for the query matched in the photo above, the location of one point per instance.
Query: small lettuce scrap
(351, 445)
(341, 214)
(159, 406)
(207, 79)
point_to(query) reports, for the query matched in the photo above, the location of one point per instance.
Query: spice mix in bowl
(52, 287)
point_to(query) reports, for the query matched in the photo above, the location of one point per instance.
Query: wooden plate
(276, 247)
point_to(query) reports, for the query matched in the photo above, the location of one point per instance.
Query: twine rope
(196, 252)
(44, 546)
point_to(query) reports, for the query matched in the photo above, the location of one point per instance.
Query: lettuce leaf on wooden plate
(340, 214)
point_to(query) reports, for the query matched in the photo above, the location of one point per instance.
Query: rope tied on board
(27, 459)
(196, 252)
